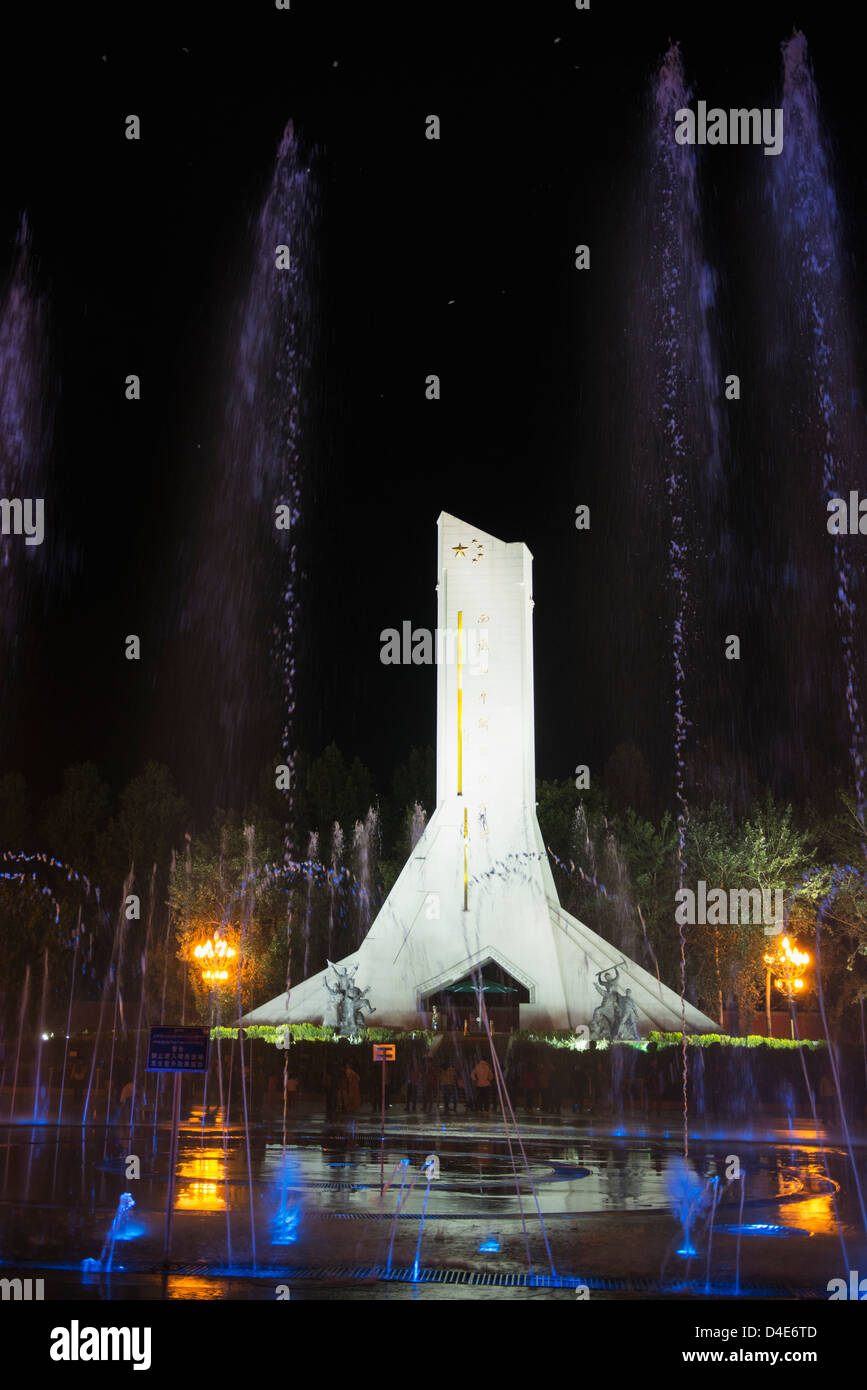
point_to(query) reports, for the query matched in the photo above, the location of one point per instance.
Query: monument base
(423, 941)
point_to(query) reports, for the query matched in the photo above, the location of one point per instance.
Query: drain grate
(370, 1274)
(492, 1279)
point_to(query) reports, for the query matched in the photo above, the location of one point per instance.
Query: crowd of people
(468, 1082)
(595, 1082)
(529, 1079)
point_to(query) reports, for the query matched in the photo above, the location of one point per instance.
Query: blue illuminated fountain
(688, 1195)
(286, 1222)
(116, 1232)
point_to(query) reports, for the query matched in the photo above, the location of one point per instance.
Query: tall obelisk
(478, 889)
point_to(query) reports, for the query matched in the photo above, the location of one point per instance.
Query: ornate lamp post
(786, 966)
(213, 956)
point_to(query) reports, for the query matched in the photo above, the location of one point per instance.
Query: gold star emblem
(460, 551)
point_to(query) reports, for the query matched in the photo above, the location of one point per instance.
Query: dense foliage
(125, 886)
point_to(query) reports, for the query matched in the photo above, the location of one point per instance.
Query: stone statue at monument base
(616, 1018)
(348, 1004)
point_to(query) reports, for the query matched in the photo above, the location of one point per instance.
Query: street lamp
(786, 967)
(213, 955)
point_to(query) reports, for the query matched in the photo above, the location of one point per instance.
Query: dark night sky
(140, 249)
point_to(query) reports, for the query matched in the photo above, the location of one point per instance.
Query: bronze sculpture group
(348, 1004)
(616, 1018)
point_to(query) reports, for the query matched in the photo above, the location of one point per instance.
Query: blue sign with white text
(178, 1049)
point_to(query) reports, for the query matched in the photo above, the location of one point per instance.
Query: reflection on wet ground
(455, 1197)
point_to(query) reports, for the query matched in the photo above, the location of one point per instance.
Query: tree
(152, 818)
(838, 888)
(219, 892)
(765, 851)
(414, 781)
(556, 804)
(74, 821)
(331, 790)
(650, 851)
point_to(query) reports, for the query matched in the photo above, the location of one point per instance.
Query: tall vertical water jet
(814, 334)
(28, 390)
(312, 857)
(685, 369)
(336, 857)
(21, 1018)
(364, 845)
(617, 872)
(246, 569)
(249, 907)
(38, 1111)
(687, 417)
(417, 825)
(582, 843)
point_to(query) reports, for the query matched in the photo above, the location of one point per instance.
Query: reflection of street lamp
(213, 955)
(786, 967)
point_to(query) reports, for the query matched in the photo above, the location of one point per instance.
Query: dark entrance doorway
(459, 1002)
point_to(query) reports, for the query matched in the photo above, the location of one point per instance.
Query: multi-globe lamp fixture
(785, 967)
(213, 955)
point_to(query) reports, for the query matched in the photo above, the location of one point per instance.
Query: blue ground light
(285, 1228)
(759, 1228)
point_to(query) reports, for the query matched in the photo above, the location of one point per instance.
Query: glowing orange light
(213, 953)
(201, 1196)
(207, 1191)
(214, 947)
(788, 963)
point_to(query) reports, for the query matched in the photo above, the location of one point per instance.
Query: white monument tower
(478, 889)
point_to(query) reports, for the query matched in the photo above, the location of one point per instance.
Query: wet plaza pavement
(446, 1207)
